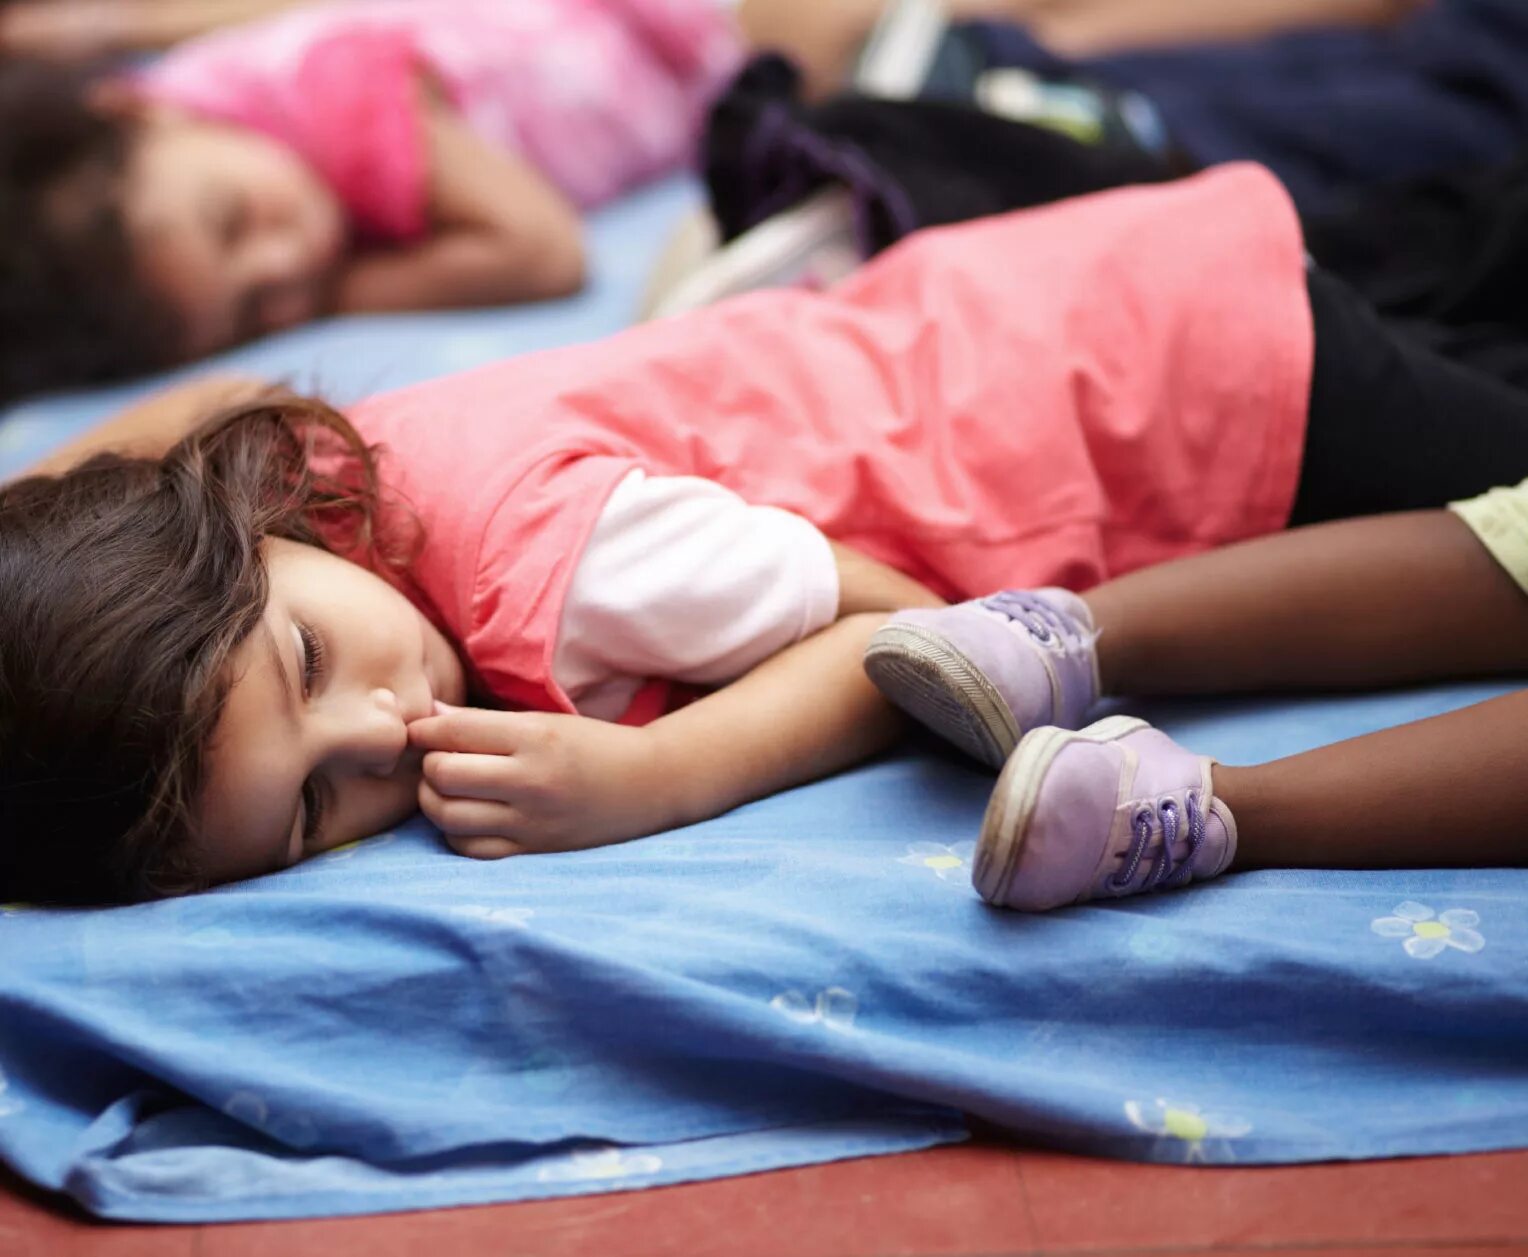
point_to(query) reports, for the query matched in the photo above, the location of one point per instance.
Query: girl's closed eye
(314, 659)
(233, 221)
(312, 814)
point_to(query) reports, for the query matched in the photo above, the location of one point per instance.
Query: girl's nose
(376, 737)
(279, 259)
(280, 273)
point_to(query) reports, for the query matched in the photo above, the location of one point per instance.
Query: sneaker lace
(1164, 871)
(1044, 622)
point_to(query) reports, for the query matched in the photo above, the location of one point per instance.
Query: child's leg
(1120, 808)
(1451, 791)
(1354, 604)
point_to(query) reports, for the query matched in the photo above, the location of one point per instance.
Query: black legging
(1393, 424)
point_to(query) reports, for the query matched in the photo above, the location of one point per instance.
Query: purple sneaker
(981, 674)
(1115, 809)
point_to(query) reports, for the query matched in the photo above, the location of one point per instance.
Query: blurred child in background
(397, 154)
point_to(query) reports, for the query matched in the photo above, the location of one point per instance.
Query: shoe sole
(1006, 823)
(934, 683)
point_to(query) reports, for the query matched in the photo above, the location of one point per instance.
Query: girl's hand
(501, 783)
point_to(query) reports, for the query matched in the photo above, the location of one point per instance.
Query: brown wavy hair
(126, 584)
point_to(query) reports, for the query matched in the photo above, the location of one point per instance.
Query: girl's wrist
(685, 783)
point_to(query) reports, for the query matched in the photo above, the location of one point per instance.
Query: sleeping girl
(393, 155)
(294, 628)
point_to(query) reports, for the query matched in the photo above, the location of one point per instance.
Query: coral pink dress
(598, 95)
(1052, 396)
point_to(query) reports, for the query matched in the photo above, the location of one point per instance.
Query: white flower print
(944, 860)
(1427, 933)
(1185, 1127)
(600, 1163)
(834, 1008)
(9, 1104)
(211, 936)
(294, 1130)
(21, 429)
(347, 850)
(519, 918)
(1156, 944)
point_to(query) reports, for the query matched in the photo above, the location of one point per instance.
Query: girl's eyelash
(313, 812)
(312, 658)
(235, 218)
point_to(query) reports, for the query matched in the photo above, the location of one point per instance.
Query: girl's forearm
(502, 783)
(163, 23)
(802, 714)
(866, 584)
(148, 428)
(456, 270)
(805, 713)
(85, 28)
(1096, 27)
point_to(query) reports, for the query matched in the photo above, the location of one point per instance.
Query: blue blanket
(809, 977)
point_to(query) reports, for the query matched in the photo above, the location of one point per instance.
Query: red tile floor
(981, 1200)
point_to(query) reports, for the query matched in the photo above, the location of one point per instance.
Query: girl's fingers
(472, 730)
(473, 828)
(458, 774)
(483, 848)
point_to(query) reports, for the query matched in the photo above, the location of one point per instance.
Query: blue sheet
(809, 977)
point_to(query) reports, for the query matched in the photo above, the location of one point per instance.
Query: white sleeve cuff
(683, 580)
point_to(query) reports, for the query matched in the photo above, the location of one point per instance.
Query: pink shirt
(599, 95)
(1052, 396)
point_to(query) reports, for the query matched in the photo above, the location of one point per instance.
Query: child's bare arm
(864, 584)
(148, 428)
(498, 783)
(502, 233)
(502, 783)
(1097, 27)
(1352, 604)
(81, 29)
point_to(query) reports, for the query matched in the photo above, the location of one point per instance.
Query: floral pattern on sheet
(946, 861)
(346, 850)
(9, 1104)
(1426, 933)
(833, 1008)
(516, 918)
(599, 1163)
(1185, 1131)
(295, 1130)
